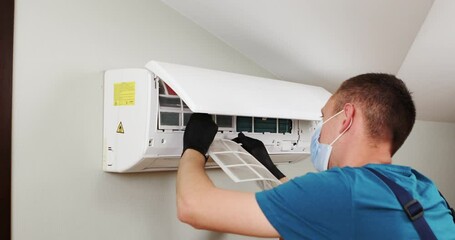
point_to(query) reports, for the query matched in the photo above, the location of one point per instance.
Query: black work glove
(199, 133)
(257, 149)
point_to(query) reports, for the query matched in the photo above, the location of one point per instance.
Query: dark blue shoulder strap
(411, 206)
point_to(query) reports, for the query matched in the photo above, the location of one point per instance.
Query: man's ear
(348, 113)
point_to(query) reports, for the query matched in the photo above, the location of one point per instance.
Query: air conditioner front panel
(281, 114)
(224, 93)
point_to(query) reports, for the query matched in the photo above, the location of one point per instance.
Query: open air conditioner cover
(146, 111)
(224, 93)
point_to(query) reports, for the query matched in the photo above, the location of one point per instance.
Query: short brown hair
(386, 104)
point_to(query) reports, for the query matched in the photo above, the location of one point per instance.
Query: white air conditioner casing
(145, 111)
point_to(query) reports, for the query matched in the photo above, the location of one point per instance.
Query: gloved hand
(199, 133)
(257, 149)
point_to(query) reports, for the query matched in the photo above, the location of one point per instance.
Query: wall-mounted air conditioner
(146, 110)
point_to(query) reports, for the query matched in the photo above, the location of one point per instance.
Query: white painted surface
(429, 67)
(59, 189)
(61, 49)
(325, 42)
(225, 93)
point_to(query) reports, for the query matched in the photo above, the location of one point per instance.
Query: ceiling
(322, 42)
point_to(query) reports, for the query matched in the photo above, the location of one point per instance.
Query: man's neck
(363, 155)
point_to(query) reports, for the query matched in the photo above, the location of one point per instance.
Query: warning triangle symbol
(120, 128)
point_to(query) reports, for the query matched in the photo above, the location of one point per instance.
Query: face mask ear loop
(342, 133)
(332, 117)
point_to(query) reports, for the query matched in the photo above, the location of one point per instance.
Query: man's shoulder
(400, 174)
(361, 175)
(390, 170)
(330, 178)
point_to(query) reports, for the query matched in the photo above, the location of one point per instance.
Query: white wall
(59, 188)
(61, 51)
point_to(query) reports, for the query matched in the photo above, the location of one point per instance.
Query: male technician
(364, 123)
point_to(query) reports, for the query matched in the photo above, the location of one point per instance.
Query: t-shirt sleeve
(315, 206)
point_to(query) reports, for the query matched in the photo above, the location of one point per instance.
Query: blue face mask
(320, 152)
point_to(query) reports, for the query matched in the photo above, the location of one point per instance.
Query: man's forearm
(192, 185)
(203, 206)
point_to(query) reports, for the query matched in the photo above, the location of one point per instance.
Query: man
(364, 123)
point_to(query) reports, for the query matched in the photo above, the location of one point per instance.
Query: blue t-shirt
(353, 203)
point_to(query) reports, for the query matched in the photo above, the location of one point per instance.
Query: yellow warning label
(120, 128)
(124, 93)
